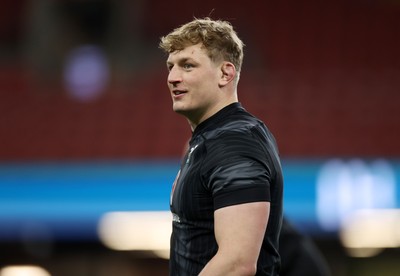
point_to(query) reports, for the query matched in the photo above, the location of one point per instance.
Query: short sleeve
(237, 169)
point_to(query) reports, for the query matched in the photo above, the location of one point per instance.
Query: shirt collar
(220, 115)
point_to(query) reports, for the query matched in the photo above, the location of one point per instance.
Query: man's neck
(194, 123)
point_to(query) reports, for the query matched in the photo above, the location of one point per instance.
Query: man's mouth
(178, 92)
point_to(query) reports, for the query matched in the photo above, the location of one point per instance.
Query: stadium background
(84, 108)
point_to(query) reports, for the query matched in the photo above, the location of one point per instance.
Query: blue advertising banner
(67, 199)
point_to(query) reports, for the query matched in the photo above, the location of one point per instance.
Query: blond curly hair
(218, 37)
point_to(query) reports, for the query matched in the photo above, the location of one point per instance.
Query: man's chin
(179, 109)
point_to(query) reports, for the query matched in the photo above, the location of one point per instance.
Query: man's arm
(239, 231)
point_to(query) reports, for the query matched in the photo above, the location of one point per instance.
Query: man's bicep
(240, 229)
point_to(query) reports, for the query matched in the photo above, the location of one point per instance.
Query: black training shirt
(232, 159)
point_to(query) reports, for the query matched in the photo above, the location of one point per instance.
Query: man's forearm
(221, 265)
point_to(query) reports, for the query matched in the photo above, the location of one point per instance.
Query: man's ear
(228, 73)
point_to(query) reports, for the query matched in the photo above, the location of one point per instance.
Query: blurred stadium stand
(326, 73)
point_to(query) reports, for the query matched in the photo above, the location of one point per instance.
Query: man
(227, 197)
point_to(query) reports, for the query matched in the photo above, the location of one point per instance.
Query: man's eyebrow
(180, 60)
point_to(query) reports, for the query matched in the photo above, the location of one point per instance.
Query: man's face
(193, 82)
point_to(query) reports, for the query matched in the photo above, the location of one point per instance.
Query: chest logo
(190, 153)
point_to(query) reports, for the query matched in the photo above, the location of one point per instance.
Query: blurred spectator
(299, 255)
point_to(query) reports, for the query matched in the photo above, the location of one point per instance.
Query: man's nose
(174, 76)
